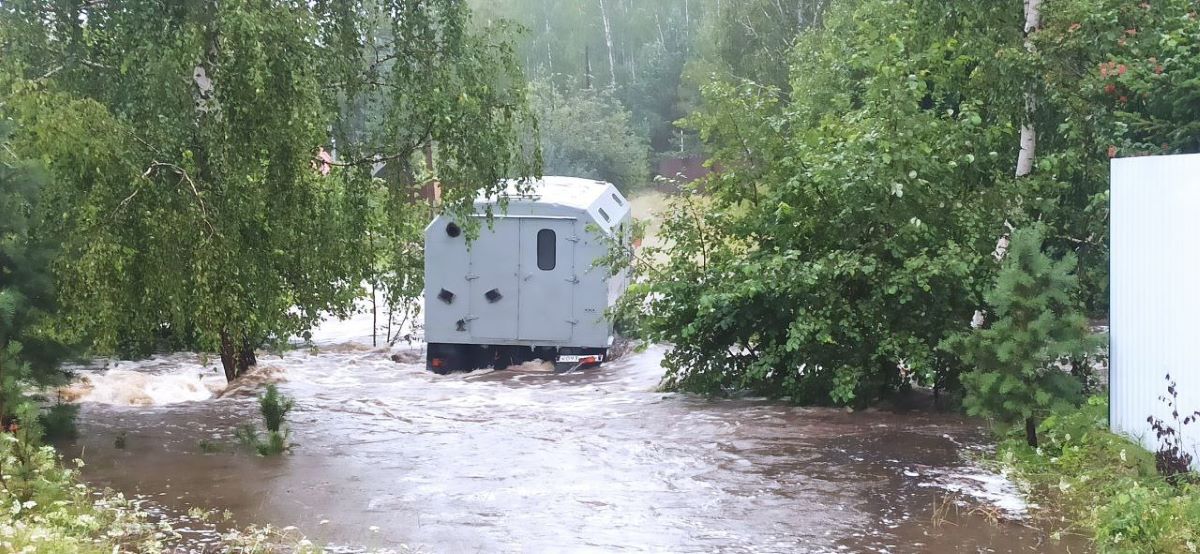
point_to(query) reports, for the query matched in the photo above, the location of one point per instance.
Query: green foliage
(651, 42)
(183, 143)
(47, 510)
(1020, 361)
(274, 408)
(210, 447)
(588, 134)
(1106, 484)
(58, 422)
(851, 226)
(1119, 80)
(29, 354)
(754, 39)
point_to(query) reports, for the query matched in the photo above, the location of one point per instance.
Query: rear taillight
(437, 362)
(587, 360)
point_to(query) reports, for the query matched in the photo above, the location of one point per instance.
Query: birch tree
(183, 140)
(1025, 160)
(608, 40)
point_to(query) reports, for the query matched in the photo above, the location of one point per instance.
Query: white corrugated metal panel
(1155, 292)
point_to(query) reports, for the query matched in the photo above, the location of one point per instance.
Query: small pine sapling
(1022, 361)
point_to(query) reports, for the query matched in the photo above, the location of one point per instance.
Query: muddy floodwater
(388, 456)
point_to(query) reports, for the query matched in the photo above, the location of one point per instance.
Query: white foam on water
(988, 488)
(182, 378)
(136, 384)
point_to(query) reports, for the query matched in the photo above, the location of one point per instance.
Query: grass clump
(274, 408)
(1107, 485)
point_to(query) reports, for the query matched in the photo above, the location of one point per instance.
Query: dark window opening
(446, 296)
(617, 199)
(453, 230)
(604, 214)
(547, 250)
(493, 296)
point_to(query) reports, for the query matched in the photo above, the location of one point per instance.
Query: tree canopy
(858, 214)
(588, 134)
(185, 145)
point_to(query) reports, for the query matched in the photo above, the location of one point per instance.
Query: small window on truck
(547, 250)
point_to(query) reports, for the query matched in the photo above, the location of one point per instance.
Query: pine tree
(1020, 360)
(26, 356)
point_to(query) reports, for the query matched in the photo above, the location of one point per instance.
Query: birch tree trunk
(612, 64)
(549, 34)
(1033, 21)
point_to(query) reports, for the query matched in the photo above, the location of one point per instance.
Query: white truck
(530, 286)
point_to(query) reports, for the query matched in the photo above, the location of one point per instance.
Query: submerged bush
(58, 422)
(274, 408)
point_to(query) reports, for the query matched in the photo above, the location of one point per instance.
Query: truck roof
(571, 192)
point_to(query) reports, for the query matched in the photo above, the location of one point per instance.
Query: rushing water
(389, 455)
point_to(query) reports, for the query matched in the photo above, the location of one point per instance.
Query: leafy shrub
(589, 134)
(849, 229)
(47, 510)
(1106, 484)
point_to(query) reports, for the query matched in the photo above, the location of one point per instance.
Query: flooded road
(389, 455)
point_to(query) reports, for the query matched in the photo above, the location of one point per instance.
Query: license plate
(576, 359)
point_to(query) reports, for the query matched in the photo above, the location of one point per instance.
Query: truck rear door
(548, 279)
(494, 282)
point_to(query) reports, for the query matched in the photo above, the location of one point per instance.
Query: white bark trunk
(1033, 21)
(612, 64)
(662, 37)
(687, 18)
(549, 35)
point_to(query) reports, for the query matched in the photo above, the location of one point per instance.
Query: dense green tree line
(861, 208)
(650, 57)
(636, 50)
(588, 134)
